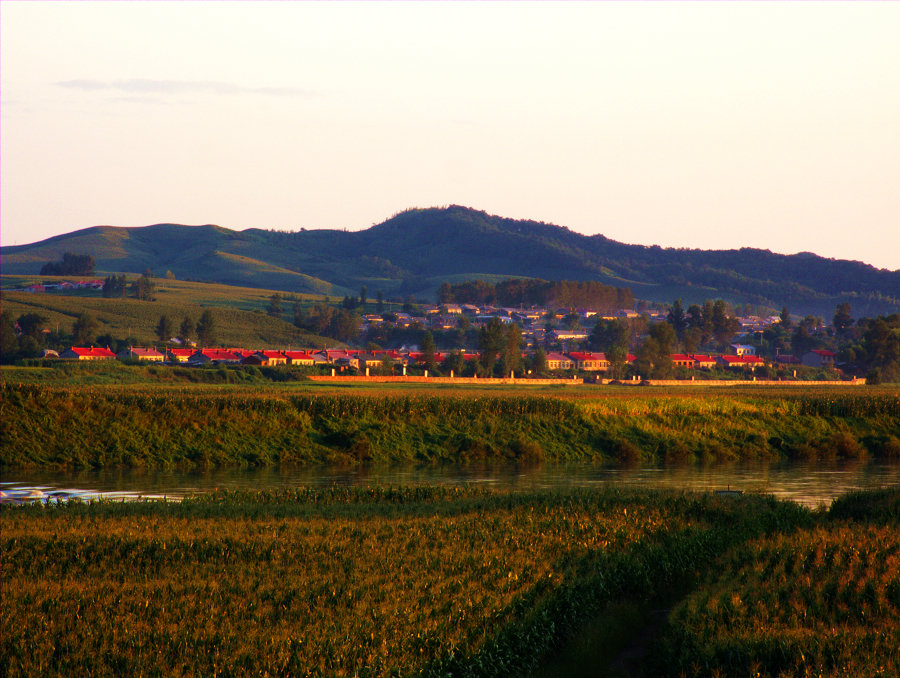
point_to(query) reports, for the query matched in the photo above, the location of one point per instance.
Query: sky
(711, 125)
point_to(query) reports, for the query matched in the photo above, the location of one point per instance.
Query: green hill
(416, 250)
(239, 312)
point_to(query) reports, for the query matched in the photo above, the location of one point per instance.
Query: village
(554, 342)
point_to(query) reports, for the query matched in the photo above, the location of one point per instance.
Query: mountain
(413, 252)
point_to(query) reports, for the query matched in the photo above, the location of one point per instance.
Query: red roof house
(87, 353)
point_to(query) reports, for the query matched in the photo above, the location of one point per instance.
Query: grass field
(240, 314)
(157, 417)
(449, 582)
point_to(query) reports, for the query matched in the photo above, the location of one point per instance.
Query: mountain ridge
(413, 251)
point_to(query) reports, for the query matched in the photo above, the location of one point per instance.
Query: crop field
(450, 582)
(346, 582)
(817, 602)
(246, 421)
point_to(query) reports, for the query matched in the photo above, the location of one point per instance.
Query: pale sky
(712, 125)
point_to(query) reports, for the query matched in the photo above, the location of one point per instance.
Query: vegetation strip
(199, 427)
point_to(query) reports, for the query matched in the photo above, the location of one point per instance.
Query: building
(589, 362)
(87, 353)
(140, 353)
(819, 358)
(558, 361)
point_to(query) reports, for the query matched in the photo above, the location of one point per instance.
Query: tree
(115, 286)
(428, 358)
(186, 331)
(274, 307)
(654, 358)
(379, 303)
(206, 329)
(31, 324)
(344, 325)
(144, 287)
(511, 356)
(842, 320)
(445, 294)
(539, 362)
(363, 296)
(164, 328)
(724, 325)
(802, 340)
(785, 317)
(9, 345)
(491, 343)
(71, 264)
(677, 319)
(455, 362)
(84, 330)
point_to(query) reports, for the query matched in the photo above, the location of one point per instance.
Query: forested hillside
(417, 250)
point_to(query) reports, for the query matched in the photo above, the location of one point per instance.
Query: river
(812, 485)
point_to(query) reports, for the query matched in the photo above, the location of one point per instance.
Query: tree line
(532, 292)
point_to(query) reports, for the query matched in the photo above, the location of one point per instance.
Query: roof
(741, 359)
(824, 353)
(219, 354)
(278, 355)
(93, 352)
(140, 351)
(586, 355)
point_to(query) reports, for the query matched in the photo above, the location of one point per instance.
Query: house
(272, 357)
(704, 362)
(299, 358)
(87, 353)
(140, 353)
(179, 355)
(589, 362)
(819, 358)
(682, 360)
(742, 349)
(558, 361)
(215, 356)
(745, 362)
(569, 335)
(788, 360)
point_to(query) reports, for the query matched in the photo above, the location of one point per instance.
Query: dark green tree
(491, 343)
(71, 264)
(84, 330)
(206, 329)
(164, 328)
(842, 320)
(428, 358)
(186, 330)
(144, 287)
(9, 344)
(363, 297)
(511, 354)
(274, 307)
(677, 319)
(654, 359)
(379, 302)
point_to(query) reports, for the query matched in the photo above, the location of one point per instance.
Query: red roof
(741, 359)
(181, 351)
(824, 353)
(93, 352)
(586, 355)
(220, 354)
(297, 355)
(278, 355)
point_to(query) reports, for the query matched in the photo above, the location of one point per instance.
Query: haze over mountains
(415, 251)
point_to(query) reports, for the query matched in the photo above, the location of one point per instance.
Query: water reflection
(809, 485)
